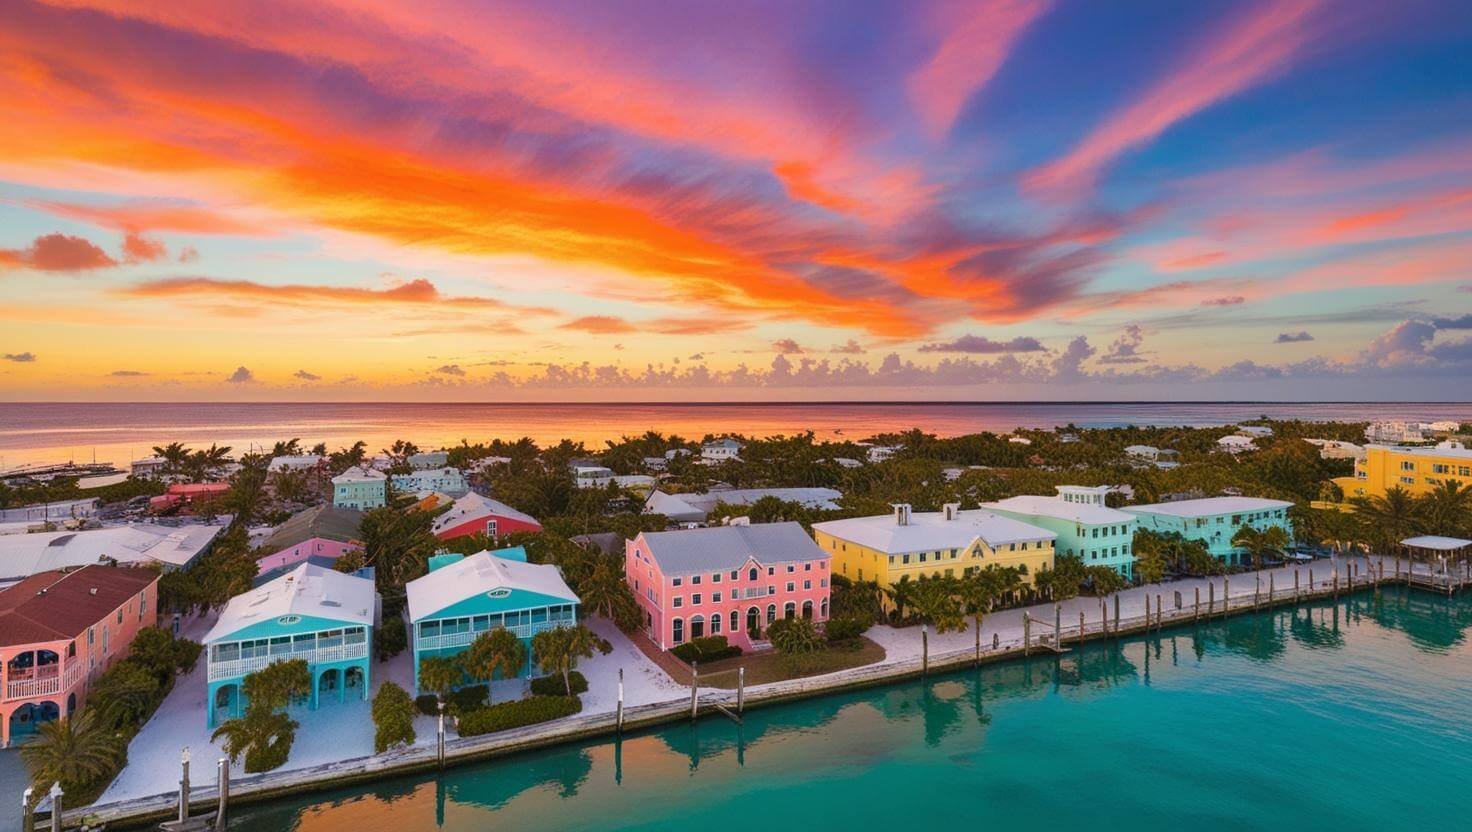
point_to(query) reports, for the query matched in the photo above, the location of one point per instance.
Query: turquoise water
(1337, 717)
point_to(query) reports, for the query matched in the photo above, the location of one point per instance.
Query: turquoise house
(1086, 527)
(360, 488)
(312, 613)
(1214, 521)
(463, 597)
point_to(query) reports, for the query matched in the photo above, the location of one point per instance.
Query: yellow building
(949, 542)
(1417, 470)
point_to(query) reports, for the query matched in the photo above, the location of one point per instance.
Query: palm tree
(263, 735)
(1447, 508)
(899, 594)
(604, 591)
(934, 598)
(1387, 520)
(1250, 539)
(979, 591)
(440, 675)
(558, 651)
(291, 447)
(75, 751)
(174, 456)
(497, 650)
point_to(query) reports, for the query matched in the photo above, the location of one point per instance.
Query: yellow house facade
(950, 542)
(1416, 470)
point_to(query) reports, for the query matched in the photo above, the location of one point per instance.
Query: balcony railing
(461, 639)
(236, 668)
(42, 681)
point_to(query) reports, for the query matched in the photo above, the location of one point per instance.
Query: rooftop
(481, 573)
(697, 505)
(1436, 542)
(324, 521)
(474, 506)
(307, 590)
(1209, 506)
(53, 605)
(1452, 449)
(930, 530)
(1091, 515)
(690, 551)
(357, 474)
(27, 554)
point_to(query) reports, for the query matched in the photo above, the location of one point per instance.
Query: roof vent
(92, 591)
(952, 510)
(902, 514)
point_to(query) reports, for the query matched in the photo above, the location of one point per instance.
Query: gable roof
(357, 474)
(478, 574)
(474, 506)
(307, 590)
(689, 551)
(52, 606)
(929, 530)
(325, 521)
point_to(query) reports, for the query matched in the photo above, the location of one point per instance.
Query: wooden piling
(440, 738)
(618, 715)
(1295, 585)
(694, 690)
(223, 787)
(1226, 595)
(1196, 610)
(1116, 613)
(925, 650)
(27, 811)
(184, 787)
(1080, 626)
(1271, 589)
(1147, 610)
(56, 795)
(1026, 634)
(740, 689)
(1210, 598)
(1057, 626)
(1159, 612)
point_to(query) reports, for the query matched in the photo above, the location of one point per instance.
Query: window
(677, 581)
(120, 615)
(789, 609)
(824, 582)
(694, 580)
(790, 586)
(791, 567)
(694, 602)
(677, 602)
(751, 574)
(716, 578)
(905, 558)
(807, 567)
(735, 575)
(715, 597)
(91, 636)
(1407, 465)
(491, 527)
(735, 621)
(809, 584)
(678, 626)
(715, 624)
(771, 570)
(771, 613)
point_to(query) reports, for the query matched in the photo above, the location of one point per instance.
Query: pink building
(729, 580)
(183, 494)
(475, 514)
(321, 532)
(59, 631)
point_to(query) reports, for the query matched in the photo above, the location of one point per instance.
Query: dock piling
(1226, 595)
(1026, 634)
(925, 647)
(1116, 614)
(56, 794)
(27, 812)
(1147, 610)
(440, 738)
(1080, 626)
(694, 690)
(1159, 612)
(223, 766)
(1210, 598)
(1271, 587)
(1057, 626)
(618, 717)
(184, 787)
(740, 689)
(1196, 610)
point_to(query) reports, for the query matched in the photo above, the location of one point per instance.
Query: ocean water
(119, 433)
(1333, 716)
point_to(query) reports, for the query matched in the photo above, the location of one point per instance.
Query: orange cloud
(419, 292)
(57, 253)
(143, 215)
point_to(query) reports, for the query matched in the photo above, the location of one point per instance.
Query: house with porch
(1214, 521)
(313, 613)
(1085, 526)
(462, 597)
(727, 580)
(59, 631)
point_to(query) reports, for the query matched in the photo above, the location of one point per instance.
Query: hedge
(552, 685)
(459, 701)
(427, 704)
(507, 715)
(845, 629)
(706, 649)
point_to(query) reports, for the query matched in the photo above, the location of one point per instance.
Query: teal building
(1085, 526)
(1214, 521)
(463, 597)
(313, 613)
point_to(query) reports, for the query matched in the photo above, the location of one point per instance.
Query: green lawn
(771, 666)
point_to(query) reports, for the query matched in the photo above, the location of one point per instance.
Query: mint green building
(1085, 526)
(360, 488)
(1214, 521)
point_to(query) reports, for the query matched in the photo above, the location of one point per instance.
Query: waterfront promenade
(651, 698)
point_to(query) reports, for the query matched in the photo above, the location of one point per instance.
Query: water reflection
(1342, 657)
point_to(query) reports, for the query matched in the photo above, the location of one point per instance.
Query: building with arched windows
(312, 613)
(727, 581)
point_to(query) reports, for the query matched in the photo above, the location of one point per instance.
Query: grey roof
(694, 507)
(689, 551)
(324, 521)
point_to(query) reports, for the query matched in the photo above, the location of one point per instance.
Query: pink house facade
(728, 581)
(59, 631)
(320, 532)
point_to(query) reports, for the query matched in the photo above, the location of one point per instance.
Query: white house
(721, 450)
(1391, 433)
(879, 453)
(447, 480)
(298, 462)
(1235, 444)
(1163, 458)
(1255, 431)
(591, 476)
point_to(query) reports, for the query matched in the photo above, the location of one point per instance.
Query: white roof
(1209, 506)
(27, 554)
(930, 530)
(586, 469)
(60, 510)
(477, 574)
(695, 506)
(474, 506)
(1437, 542)
(299, 461)
(308, 590)
(1239, 441)
(356, 474)
(1086, 513)
(724, 443)
(1449, 448)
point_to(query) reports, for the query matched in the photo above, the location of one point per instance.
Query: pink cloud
(57, 253)
(975, 40)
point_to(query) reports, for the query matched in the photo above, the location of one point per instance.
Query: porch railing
(43, 681)
(240, 667)
(461, 639)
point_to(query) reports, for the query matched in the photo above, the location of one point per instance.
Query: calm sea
(119, 433)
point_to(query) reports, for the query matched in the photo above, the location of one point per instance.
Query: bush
(507, 715)
(467, 699)
(705, 649)
(427, 704)
(393, 717)
(844, 629)
(794, 636)
(391, 639)
(552, 685)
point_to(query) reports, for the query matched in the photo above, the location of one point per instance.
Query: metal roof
(930, 530)
(307, 590)
(1086, 513)
(478, 574)
(1208, 506)
(690, 551)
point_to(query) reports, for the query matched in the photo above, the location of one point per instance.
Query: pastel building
(462, 597)
(312, 613)
(360, 488)
(1417, 470)
(728, 580)
(1214, 521)
(59, 631)
(721, 450)
(323, 532)
(1084, 525)
(447, 480)
(478, 514)
(950, 542)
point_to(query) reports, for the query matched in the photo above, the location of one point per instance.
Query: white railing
(755, 592)
(462, 639)
(44, 682)
(240, 667)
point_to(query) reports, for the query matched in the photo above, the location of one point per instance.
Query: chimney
(902, 514)
(952, 510)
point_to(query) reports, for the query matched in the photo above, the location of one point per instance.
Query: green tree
(795, 636)
(1150, 560)
(1387, 520)
(606, 592)
(77, 751)
(263, 736)
(173, 454)
(558, 650)
(496, 651)
(278, 684)
(1104, 581)
(1447, 509)
(934, 599)
(125, 695)
(397, 544)
(393, 717)
(440, 674)
(900, 595)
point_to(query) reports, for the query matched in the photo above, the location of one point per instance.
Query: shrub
(844, 629)
(393, 717)
(427, 704)
(794, 636)
(391, 639)
(467, 699)
(507, 715)
(706, 649)
(552, 685)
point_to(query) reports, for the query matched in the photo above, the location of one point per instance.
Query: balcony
(47, 680)
(440, 642)
(237, 668)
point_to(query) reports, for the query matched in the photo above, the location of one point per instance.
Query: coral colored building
(320, 532)
(728, 580)
(59, 631)
(475, 514)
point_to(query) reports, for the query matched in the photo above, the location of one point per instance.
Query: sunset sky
(995, 199)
